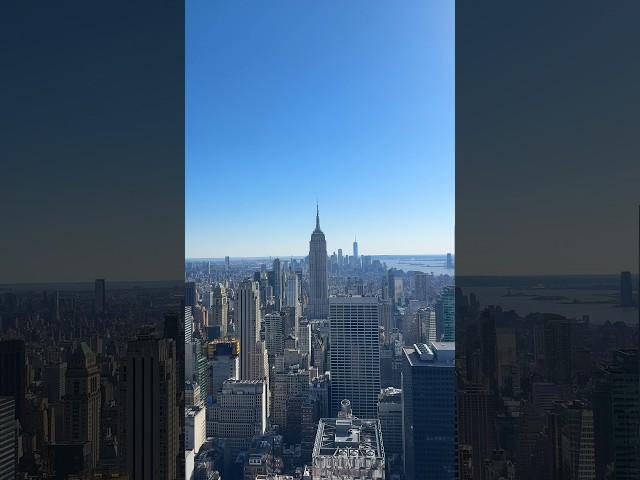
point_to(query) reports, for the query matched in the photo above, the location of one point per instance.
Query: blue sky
(350, 103)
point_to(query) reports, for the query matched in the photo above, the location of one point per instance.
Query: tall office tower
(224, 364)
(355, 354)
(398, 290)
(239, 414)
(195, 428)
(290, 320)
(190, 294)
(54, 380)
(429, 411)
(253, 354)
(8, 447)
(188, 324)
(304, 337)
(273, 333)
(390, 416)
(227, 263)
(422, 286)
(426, 323)
(193, 394)
(557, 350)
(289, 389)
(449, 314)
(390, 288)
(220, 310)
(449, 261)
(625, 404)
(292, 290)
(348, 448)
(13, 377)
(318, 284)
(340, 259)
(200, 365)
(355, 250)
(475, 429)
(572, 435)
(277, 283)
(99, 295)
(508, 373)
(626, 289)
(151, 420)
(386, 318)
(82, 401)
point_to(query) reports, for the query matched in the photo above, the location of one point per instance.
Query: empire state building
(318, 294)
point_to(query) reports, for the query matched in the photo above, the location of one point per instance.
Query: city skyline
(352, 106)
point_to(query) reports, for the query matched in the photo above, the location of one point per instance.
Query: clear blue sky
(347, 102)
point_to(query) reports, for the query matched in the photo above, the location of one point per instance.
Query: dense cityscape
(90, 381)
(323, 367)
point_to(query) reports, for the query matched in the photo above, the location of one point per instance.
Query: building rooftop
(348, 437)
(434, 354)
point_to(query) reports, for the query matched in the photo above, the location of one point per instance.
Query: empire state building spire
(317, 219)
(318, 307)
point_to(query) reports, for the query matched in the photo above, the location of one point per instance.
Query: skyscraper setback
(318, 283)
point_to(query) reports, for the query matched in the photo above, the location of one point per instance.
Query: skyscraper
(429, 411)
(277, 285)
(82, 401)
(13, 382)
(220, 309)
(355, 250)
(273, 334)
(355, 354)
(190, 294)
(318, 294)
(8, 448)
(253, 355)
(449, 314)
(151, 414)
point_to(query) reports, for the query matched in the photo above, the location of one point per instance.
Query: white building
(348, 448)
(195, 428)
(355, 354)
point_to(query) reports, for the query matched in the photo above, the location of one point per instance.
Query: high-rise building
(426, 323)
(54, 379)
(8, 447)
(224, 364)
(355, 250)
(273, 334)
(190, 294)
(626, 296)
(340, 259)
(304, 337)
(219, 309)
(292, 290)
(188, 324)
(253, 354)
(355, 354)
(390, 416)
(289, 388)
(278, 287)
(318, 283)
(348, 448)
(239, 414)
(195, 428)
(429, 411)
(227, 263)
(573, 425)
(13, 380)
(449, 261)
(422, 286)
(449, 314)
(150, 441)
(82, 401)
(99, 295)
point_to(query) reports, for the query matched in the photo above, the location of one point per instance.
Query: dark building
(13, 382)
(190, 295)
(429, 411)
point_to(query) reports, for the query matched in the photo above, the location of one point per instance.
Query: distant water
(571, 296)
(436, 264)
